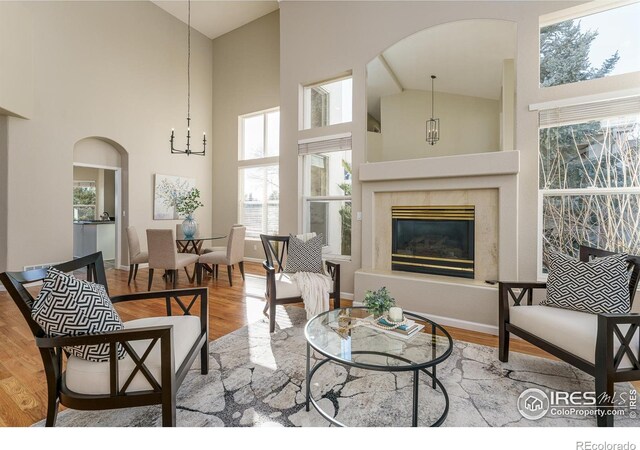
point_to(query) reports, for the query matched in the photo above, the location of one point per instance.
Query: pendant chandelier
(188, 150)
(433, 125)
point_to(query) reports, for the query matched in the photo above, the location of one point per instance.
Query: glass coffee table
(340, 336)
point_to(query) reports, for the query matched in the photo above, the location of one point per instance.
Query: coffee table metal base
(435, 383)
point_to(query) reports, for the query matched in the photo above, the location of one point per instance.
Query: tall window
(258, 173)
(84, 200)
(327, 103)
(327, 191)
(589, 177)
(595, 43)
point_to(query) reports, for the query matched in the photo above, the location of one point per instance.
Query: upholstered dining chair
(159, 351)
(163, 255)
(136, 256)
(233, 254)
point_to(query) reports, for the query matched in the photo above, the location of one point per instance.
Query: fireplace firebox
(433, 239)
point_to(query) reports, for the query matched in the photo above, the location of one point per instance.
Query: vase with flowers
(186, 206)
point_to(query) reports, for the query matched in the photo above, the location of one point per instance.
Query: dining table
(193, 244)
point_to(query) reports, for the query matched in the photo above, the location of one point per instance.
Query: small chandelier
(188, 150)
(433, 125)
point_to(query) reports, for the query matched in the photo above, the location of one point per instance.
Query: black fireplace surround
(433, 239)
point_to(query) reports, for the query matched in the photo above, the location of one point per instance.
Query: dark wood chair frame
(275, 249)
(52, 348)
(605, 370)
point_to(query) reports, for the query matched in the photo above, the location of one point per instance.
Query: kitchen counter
(88, 239)
(93, 222)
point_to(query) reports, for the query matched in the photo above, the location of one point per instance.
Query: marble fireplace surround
(488, 178)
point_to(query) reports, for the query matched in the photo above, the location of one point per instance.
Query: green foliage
(378, 302)
(84, 195)
(345, 213)
(564, 55)
(188, 203)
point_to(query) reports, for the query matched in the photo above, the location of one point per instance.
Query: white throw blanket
(315, 288)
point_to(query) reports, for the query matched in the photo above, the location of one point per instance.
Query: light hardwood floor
(22, 380)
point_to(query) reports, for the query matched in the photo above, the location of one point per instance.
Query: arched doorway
(100, 187)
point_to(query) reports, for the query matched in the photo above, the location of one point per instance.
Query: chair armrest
(174, 294)
(609, 333)
(334, 273)
(505, 292)
(131, 334)
(270, 269)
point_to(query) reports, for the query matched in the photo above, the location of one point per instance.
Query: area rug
(257, 379)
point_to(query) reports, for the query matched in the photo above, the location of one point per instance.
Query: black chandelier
(433, 125)
(188, 151)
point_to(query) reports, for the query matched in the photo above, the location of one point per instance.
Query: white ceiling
(214, 18)
(465, 56)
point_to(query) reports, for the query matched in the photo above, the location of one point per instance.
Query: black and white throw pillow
(598, 286)
(67, 306)
(304, 256)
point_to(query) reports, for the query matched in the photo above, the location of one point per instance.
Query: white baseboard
(457, 323)
(255, 260)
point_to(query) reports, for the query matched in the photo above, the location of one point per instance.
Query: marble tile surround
(486, 223)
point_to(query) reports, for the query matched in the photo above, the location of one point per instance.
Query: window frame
(92, 184)
(556, 192)
(251, 163)
(304, 106)
(307, 198)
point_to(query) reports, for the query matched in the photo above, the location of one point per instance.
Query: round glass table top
(197, 237)
(348, 336)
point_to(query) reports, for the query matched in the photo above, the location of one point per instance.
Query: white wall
(114, 70)
(16, 75)
(246, 78)
(310, 51)
(467, 125)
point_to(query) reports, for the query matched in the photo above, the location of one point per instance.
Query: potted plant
(378, 302)
(186, 206)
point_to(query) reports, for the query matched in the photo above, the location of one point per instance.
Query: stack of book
(406, 330)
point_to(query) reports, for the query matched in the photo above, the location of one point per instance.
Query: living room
(357, 121)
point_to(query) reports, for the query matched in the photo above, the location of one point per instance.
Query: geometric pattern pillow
(598, 286)
(304, 256)
(67, 306)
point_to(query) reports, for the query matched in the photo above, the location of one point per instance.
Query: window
(593, 44)
(328, 103)
(327, 192)
(258, 174)
(589, 177)
(84, 200)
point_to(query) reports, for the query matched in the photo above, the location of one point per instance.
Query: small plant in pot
(378, 302)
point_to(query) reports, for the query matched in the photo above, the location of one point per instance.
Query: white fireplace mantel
(473, 165)
(453, 302)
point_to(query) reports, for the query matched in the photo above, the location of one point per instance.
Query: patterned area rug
(257, 379)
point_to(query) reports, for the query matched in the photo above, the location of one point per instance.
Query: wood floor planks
(22, 382)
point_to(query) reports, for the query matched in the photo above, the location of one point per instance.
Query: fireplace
(433, 239)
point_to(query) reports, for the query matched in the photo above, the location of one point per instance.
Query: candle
(395, 314)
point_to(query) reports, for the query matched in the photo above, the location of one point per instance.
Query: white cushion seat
(573, 331)
(140, 258)
(285, 288)
(184, 259)
(219, 257)
(92, 378)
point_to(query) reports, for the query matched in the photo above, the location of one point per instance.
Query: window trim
(265, 161)
(265, 134)
(303, 93)
(542, 193)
